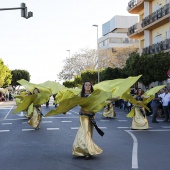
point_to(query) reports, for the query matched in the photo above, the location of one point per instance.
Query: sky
(39, 44)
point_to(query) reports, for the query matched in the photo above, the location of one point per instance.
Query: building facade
(114, 32)
(153, 28)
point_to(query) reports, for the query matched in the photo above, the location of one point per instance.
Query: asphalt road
(50, 147)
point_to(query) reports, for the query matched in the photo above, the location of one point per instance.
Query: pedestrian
(165, 98)
(36, 114)
(139, 120)
(155, 104)
(83, 144)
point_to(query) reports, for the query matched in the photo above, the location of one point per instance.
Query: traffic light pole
(23, 11)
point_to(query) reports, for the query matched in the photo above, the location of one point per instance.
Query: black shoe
(87, 157)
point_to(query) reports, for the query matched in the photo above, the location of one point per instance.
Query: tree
(5, 75)
(112, 73)
(115, 57)
(69, 84)
(130, 67)
(90, 75)
(84, 60)
(18, 75)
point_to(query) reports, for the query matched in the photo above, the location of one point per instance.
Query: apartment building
(114, 33)
(153, 28)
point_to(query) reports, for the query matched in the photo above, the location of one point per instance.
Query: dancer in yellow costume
(109, 110)
(139, 120)
(36, 115)
(83, 144)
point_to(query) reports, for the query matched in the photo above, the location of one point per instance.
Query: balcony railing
(134, 28)
(158, 47)
(161, 12)
(131, 4)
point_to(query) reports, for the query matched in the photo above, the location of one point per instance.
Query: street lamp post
(97, 55)
(69, 64)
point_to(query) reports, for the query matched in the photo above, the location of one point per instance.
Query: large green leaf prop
(93, 103)
(66, 94)
(118, 86)
(54, 86)
(36, 99)
(31, 86)
(23, 106)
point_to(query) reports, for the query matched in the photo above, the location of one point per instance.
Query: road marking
(4, 130)
(135, 144)
(8, 112)
(134, 150)
(24, 122)
(104, 120)
(122, 120)
(103, 127)
(66, 121)
(46, 121)
(6, 123)
(52, 128)
(74, 127)
(123, 127)
(60, 117)
(165, 126)
(27, 129)
(18, 119)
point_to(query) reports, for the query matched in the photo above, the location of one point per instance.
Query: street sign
(168, 73)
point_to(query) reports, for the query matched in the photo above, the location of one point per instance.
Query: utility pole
(23, 9)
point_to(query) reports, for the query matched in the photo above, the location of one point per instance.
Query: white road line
(24, 122)
(66, 121)
(134, 150)
(74, 127)
(60, 117)
(4, 130)
(74, 111)
(165, 127)
(52, 128)
(123, 127)
(103, 127)
(6, 123)
(8, 112)
(104, 120)
(27, 129)
(46, 121)
(122, 120)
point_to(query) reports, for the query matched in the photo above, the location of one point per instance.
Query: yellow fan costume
(32, 103)
(138, 114)
(108, 111)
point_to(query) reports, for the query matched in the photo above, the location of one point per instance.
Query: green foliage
(154, 67)
(18, 75)
(78, 80)
(130, 68)
(5, 75)
(112, 73)
(69, 84)
(90, 75)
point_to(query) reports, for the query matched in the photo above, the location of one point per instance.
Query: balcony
(134, 6)
(152, 21)
(157, 18)
(163, 46)
(135, 31)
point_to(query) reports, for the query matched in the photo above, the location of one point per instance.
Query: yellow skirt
(109, 112)
(35, 119)
(83, 144)
(139, 121)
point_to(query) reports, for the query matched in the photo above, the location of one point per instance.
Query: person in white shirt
(165, 98)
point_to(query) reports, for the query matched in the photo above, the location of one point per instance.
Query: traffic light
(23, 10)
